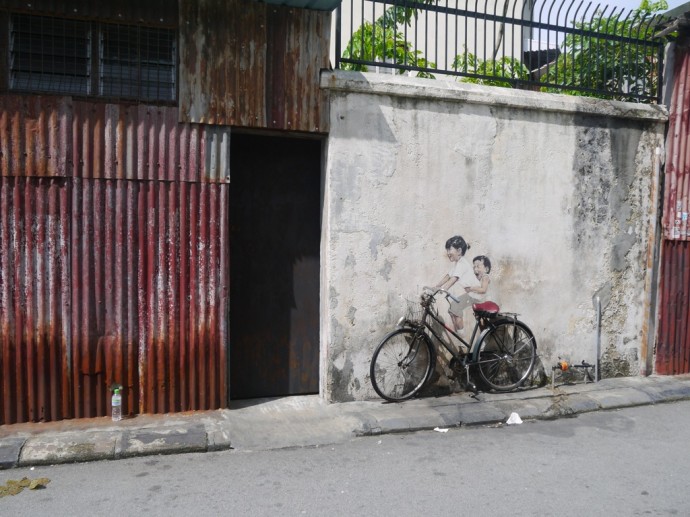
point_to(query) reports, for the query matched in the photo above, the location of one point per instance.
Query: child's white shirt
(466, 277)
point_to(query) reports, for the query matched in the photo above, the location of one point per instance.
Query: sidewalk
(308, 421)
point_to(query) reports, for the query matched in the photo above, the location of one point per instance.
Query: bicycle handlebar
(433, 291)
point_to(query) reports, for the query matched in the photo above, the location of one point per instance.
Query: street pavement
(305, 421)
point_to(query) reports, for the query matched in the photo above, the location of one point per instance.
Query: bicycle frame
(465, 360)
(501, 348)
(425, 323)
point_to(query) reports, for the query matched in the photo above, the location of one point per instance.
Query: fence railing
(572, 46)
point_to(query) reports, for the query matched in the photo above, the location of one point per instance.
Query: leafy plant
(384, 42)
(590, 61)
(505, 70)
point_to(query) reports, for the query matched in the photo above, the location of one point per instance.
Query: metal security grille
(49, 55)
(570, 46)
(137, 62)
(83, 58)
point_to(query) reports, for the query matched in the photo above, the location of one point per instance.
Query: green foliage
(588, 60)
(383, 41)
(505, 70)
(652, 7)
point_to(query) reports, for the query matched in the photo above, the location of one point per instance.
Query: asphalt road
(628, 462)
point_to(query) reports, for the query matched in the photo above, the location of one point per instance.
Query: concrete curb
(308, 421)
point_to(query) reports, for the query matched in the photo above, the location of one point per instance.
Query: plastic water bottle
(117, 405)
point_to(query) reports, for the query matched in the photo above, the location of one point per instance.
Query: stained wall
(559, 192)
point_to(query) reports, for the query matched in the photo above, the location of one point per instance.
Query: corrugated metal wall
(673, 340)
(673, 352)
(677, 184)
(115, 270)
(142, 142)
(253, 65)
(35, 136)
(113, 217)
(149, 294)
(34, 299)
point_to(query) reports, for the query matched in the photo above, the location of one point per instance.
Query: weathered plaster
(554, 189)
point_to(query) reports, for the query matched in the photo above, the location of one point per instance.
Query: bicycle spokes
(506, 355)
(401, 364)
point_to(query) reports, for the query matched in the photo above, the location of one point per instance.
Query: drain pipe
(600, 300)
(597, 304)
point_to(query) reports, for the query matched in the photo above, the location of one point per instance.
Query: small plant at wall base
(383, 42)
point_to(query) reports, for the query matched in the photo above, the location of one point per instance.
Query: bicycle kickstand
(472, 386)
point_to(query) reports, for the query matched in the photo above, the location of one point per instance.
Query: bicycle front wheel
(506, 355)
(401, 364)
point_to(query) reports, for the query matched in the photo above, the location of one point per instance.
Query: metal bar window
(49, 55)
(137, 62)
(54, 55)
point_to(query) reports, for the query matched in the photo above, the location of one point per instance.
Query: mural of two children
(473, 279)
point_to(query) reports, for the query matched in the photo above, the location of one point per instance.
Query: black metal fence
(571, 46)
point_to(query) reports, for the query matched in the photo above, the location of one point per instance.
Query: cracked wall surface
(556, 190)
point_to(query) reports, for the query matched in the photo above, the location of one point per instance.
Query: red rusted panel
(142, 142)
(185, 292)
(141, 285)
(677, 179)
(151, 12)
(34, 136)
(254, 65)
(295, 58)
(673, 342)
(34, 299)
(149, 295)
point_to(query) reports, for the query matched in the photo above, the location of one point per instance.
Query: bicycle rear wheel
(506, 355)
(401, 364)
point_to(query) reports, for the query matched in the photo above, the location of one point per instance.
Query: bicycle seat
(485, 308)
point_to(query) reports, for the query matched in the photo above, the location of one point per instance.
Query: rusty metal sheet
(34, 299)
(113, 141)
(149, 295)
(137, 296)
(677, 179)
(151, 12)
(35, 136)
(673, 341)
(263, 72)
(53, 136)
(673, 334)
(146, 209)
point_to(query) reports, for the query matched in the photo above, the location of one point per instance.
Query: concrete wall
(559, 191)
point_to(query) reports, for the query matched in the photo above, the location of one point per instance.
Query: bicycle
(504, 351)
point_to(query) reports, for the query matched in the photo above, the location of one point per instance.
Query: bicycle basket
(414, 311)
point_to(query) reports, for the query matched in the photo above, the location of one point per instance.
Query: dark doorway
(275, 234)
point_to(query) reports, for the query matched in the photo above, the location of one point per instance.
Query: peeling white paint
(529, 179)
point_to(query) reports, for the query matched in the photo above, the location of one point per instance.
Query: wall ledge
(452, 91)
